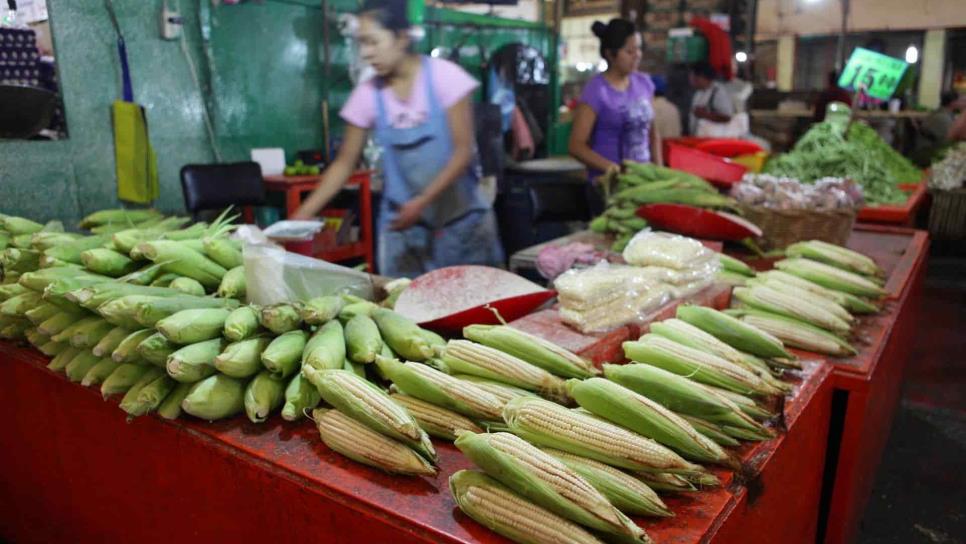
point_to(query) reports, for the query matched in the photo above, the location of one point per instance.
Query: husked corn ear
(428, 384)
(503, 392)
(807, 296)
(642, 415)
(798, 334)
(834, 255)
(215, 397)
(369, 405)
(547, 424)
(712, 431)
(364, 445)
(300, 395)
(831, 277)
(496, 507)
(465, 357)
(732, 331)
(402, 335)
(627, 493)
(697, 365)
(320, 310)
(532, 349)
(769, 300)
(545, 480)
(435, 420)
(263, 395)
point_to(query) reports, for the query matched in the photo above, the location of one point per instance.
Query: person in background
(614, 119)
(957, 132)
(711, 103)
(933, 131)
(831, 93)
(419, 108)
(667, 117)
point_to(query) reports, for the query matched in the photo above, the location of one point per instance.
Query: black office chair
(214, 187)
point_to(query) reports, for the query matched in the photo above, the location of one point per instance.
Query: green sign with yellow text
(879, 74)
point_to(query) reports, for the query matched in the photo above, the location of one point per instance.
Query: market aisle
(921, 489)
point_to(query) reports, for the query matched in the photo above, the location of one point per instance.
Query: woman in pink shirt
(420, 112)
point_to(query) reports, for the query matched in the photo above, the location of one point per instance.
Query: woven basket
(782, 228)
(947, 217)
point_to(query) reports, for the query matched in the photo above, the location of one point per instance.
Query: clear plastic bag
(650, 248)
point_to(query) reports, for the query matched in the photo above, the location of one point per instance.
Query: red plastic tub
(717, 170)
(729, 148)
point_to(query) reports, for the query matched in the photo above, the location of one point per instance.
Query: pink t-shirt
(450, 83)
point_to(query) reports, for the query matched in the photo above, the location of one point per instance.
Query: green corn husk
(831, 277)
(91, 297)
(79, 366)
(11, 290)
(215, 397)
(123, 311)
(188, 286)
(362, 339)
(531, 349)
(34, 336)
(20, 260)
(19, 226)
(835, 255)
(798, 334)
(435, 387)
(108, 262)
(545, 480)
(434, 362)
(223, 251)
(747, 405)
(52, 349)
(70, 330)
(402, 335)
(233, 284)
(283, 355)
(41, 313)
(733, 332)
(192, 326)
(433, 339)
(143, 276)
(110, 342)
(185, 261)
(194, 362)
(150, 313)
(326, 348)
(300, 395)
(627, 493)
(666, 483)
(263, 396)
(242, 359)
(745, 434)
(70, 252)
(371, 406)
(642, 415)
(352, 309)
(60, 361)
(736, 417)
(164, 280)
(105, 217)
(15, 330)
(712, 431)
(104, 367)
(280, 318)
(359, 369)
(129, 402)
(496, 507)
(151, 396)
(733, 265)
(88, 336)
(19, 305)
(320, 310)
(156, 349)
(544, 423)
(38, 280)
(122, 379)
(126, 351)
(241, 323)
(57, 293)
(766, 299)
(171, 407)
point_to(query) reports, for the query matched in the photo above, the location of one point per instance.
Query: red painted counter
(75, 470)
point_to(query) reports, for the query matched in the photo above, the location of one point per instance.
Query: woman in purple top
(614, 120)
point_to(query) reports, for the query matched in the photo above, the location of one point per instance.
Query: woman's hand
(610, 173)
(408, 214)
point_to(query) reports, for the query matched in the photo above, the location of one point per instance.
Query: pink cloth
(450, 82)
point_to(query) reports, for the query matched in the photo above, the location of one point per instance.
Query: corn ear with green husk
(435, 420)
(300, 395)
(122, 379)
(19, 226)
(430, 385)
(360, 307)
(283, 355)
(850, 302)
(144, 276)
(627, 493)
(735, 417)
(362, 339)
(495, 506)
(104, 367)
(791, 290)
(106, 346)
(320, 310)
(68, 327)
(70, 252)
(797, 333)
(264, 395)
(52, 349)
(191, 326)
(80, 365)
(89, 335)
(731, 264)
(835, 255)
(667, 483)
(106, 217)
(326, 348)
(642, 415)
(223, 251)
(465, 357)
(280, 318)
(831, 277)
(126, 351)
(188, 286)
(366, 403)
(242, 359)
(215, 397)
(233, 284)
(402, 335)
(732, 331)
(129, 402)
(35, 337)
(170, 408)
(712, 431)
(532, 349)
(185, 261)
(764, 298)
(11, 290)
(546, 481)
(156, 349)
(38, 280)
(194, 362)
(107, 262)
(19, 305)
(544, 423)
(20, 260)
(746, 434)
(92, 296)
(241, 323)
(747, 405)
(358, 442)
(150, 396)
(150, 313)
(62, 359)
(124, 310)
(14, 330)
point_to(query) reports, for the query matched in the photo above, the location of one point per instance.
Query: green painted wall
(260, 69)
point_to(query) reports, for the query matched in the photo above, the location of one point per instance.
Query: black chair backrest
(489, 138)
(559, 202)
(217, 186)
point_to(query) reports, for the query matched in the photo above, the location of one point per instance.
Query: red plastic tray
(897, 215)
(698, 222)
(716, 170)
(729, 148)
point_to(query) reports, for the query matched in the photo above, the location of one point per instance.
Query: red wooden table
(75, 470)
(295, 186)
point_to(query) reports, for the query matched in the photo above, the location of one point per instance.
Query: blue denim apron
(458, 227)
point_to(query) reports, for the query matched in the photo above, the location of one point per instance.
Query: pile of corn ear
(154, 313)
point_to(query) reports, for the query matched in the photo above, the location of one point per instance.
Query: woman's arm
(957, 131)
(460, 119)
(657, 147)
(583, 125)
(336, 174)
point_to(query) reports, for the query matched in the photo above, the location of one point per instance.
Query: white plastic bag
(274, 275)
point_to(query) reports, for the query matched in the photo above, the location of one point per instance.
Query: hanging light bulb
(741, 56)
(912, 54)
